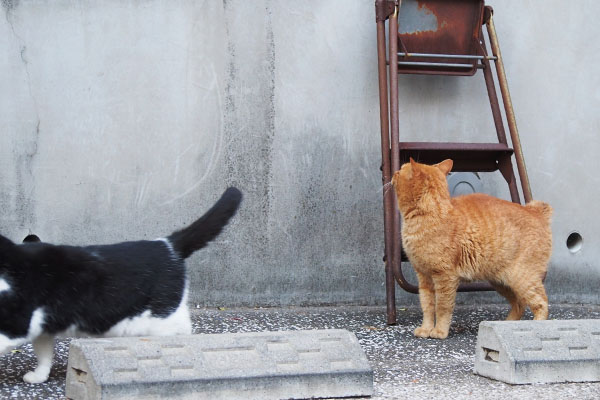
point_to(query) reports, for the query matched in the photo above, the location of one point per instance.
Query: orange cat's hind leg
(516, 308)
(539, 303)
(531, 292)
(427, 299)
(445, 296)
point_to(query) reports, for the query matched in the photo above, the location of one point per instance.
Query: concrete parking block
(519, 352)
(269, 365)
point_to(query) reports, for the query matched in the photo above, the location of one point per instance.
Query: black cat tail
(207, 227)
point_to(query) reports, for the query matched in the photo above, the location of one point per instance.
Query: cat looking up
(466, 238)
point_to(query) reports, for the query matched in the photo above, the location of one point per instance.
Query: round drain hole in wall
(574, 242)
(31, 239)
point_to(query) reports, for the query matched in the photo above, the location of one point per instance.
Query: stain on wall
(25, 147)
(127, 119)
(250, 115)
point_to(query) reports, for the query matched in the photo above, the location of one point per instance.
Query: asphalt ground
(405, 367)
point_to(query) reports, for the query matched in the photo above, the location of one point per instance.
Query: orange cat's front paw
(422, 332)
(437, 333)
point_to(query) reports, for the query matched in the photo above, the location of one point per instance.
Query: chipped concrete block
(269, 365)
(520, 352)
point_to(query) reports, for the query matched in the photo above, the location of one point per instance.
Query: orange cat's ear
(414, 168)
(445, 166)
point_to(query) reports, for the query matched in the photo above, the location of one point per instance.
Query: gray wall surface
(126, 119)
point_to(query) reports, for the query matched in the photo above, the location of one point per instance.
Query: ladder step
(476, 157)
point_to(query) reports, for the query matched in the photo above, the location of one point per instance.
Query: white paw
(35, 377)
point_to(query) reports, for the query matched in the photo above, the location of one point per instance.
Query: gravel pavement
(405, 367)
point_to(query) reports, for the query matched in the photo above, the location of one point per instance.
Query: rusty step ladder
(439, 37)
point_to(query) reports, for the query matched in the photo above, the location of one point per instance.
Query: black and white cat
(124, 289)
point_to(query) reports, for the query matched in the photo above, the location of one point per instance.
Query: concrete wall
(125, 119)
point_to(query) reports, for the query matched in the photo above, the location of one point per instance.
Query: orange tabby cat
(472, 237)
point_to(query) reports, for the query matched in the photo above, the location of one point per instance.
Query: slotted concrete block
(269, 365)
(519, 352)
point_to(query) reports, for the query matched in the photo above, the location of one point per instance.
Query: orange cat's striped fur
(472, 237)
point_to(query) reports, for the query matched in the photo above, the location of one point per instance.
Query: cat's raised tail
(206, 228)
(543, 208)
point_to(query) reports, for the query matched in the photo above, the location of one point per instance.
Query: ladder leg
(385, 168)
(510, 115)
(394, 137)
(493, 96)
(505, 167)
(395, 154)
